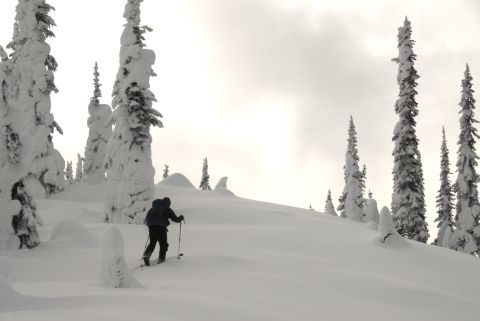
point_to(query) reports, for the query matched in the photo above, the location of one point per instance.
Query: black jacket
(160, 214)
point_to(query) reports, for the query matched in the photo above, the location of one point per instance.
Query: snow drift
(176, 180)
(68, 234)
(244, 260)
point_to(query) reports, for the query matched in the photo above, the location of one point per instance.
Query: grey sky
(265, 88)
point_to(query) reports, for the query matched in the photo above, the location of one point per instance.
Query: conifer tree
(408, 201)
(165, 171)
(466, 237)
(205, 181)
(32, 83)
(130, 172)
(329, 208)
(69, 174)
(351, 200)
(445, 195)
(99, 133)
(79, 177)
(18, 214)
(363, 178)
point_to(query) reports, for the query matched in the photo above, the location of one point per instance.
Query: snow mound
(222, 187)
(372, 225)
(68, 234)
(114, 272)
(176, 180)
(7, 293)
(4, 267)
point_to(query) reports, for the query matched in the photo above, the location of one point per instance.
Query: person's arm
(173, 217)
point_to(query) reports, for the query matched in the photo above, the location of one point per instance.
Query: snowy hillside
(244, 260)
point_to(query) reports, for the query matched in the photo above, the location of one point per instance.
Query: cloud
(258, 48)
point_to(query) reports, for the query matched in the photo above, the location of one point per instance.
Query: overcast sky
(265, 88)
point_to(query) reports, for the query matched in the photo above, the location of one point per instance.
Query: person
(157, 220)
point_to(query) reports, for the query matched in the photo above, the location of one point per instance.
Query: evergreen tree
(205, 182)
(371, 211)
(130, 172)
(69, 173)
(466, 237)
(32, 84)
(408, 200)
(165, 171)
(363, 178)
(351, 200)
(18, 215)
(79, 177)
(329, 208)
(445, 195)
(99, 133)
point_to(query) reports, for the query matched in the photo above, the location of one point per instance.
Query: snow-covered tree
(385, 225)
(371, 211)
(363, 179)
(115, 272)
(69, 174)
(408, 199)
(351, 200)
(32, 83)
(447, 237)
(445, 195)
(99, 133)
(205, 181)
(165, 171)
(18, 215)
(79, 177)
(466, 237)
(329, 208)
(130, 172)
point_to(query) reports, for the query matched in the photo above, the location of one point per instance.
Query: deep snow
(244, 260)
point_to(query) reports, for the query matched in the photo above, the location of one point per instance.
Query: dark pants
(157, 234)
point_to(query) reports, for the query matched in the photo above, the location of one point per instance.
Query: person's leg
(162, 240)
(153, 236)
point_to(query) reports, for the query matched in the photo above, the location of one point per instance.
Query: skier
(157, 220)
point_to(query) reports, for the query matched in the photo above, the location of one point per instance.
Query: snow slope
(244, 260)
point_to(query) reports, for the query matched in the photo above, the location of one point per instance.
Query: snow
(221, 187)
(176, 180)
(115, 272)
(6, 291)
(4, 267)
(244, 260)
(385, 226)
(68, 234)
(371, 212)
(128, 160)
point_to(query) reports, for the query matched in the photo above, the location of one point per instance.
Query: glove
(181, 218)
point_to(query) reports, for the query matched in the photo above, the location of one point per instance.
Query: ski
(143, 266)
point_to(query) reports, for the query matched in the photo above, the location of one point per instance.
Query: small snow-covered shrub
(388, 237)
(385, 227)
(114, 271)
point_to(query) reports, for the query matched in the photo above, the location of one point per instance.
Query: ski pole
(179, 242)
(146, 242)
